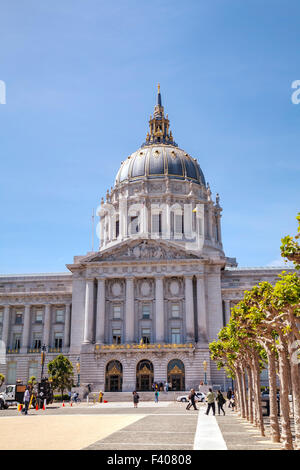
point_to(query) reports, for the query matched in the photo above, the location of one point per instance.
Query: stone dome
(160, 161)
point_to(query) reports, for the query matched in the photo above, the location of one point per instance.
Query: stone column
(67, 326)
(159, 310)
(5, 330)
(227, 310)
(129, 311)
(26, 329)
(201, 310)
(89, 311)
(47, 325)
(100, 316)
(189, 308)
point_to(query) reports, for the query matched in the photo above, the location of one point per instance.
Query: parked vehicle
(13, 395)
(200, 396)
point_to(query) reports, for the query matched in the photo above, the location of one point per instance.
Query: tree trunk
(284, 396)
(295, 378)
(244, 385)
(240, 393)
(257, 392)
(275, 431)
(250, 394)
(255, 413)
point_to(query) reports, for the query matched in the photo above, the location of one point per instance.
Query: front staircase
(144, 396)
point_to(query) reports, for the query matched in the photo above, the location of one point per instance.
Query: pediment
(141, 250)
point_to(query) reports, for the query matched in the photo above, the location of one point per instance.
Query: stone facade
(146, 305)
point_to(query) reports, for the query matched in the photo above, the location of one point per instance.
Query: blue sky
(81, 81)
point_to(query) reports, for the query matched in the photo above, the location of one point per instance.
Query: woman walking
(156, 393)
(220, 401)
(136, 399)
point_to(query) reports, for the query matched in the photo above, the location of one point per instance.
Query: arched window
(176, 374)
(113, 376)
(144, 375)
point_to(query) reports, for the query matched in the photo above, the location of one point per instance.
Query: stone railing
(142, 347)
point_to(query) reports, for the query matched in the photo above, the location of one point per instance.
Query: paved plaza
(119, 426)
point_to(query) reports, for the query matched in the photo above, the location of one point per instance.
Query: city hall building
(145, 307)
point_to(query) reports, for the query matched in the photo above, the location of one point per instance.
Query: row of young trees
(263, 332)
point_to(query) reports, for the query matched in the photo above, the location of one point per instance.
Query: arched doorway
(113, 377)
(176, 374)
(144, 375)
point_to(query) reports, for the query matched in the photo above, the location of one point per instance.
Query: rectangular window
(60, 315)
(17, 341)
(1, 317)
(175, 310)
(33, 370)
(175, 336)
(156, 224)
(11, 373)
(58, 340)
(36, 341)
(39, 316)
(116, 336)
(146, 335)
(146, 308)
(134, 225)
(116, 312)
(19, 318)
(117, 228)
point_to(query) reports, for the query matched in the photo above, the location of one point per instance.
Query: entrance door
(114, 383)
(113, 377)
(176, 374)
(176, 383)
(145, 382)
(144, 375)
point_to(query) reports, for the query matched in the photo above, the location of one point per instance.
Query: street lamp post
(205, 370)
(78, 371)
(43, 355)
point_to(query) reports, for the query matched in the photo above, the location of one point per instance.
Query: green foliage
(61, 373)
(60, 398)
(32, 381)
(2, 379)
(290, 247)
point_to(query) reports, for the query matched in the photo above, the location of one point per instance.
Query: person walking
(156, 393)
(229, 396)
(100, 399)
(192, 397)
(26, 400)
(220, 401)
(210, 398)
(136, 399)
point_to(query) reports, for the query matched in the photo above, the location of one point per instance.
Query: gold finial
(158, 88)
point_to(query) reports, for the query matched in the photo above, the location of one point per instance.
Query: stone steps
(144, 396)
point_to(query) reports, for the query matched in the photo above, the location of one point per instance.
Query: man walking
(220, 401)
(229, 396)
(26, 400)
(192, 397)
(210, 398)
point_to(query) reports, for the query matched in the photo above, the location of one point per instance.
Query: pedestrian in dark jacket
(229, 396)
(136, 399)
(220, 401)
(192, 397)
